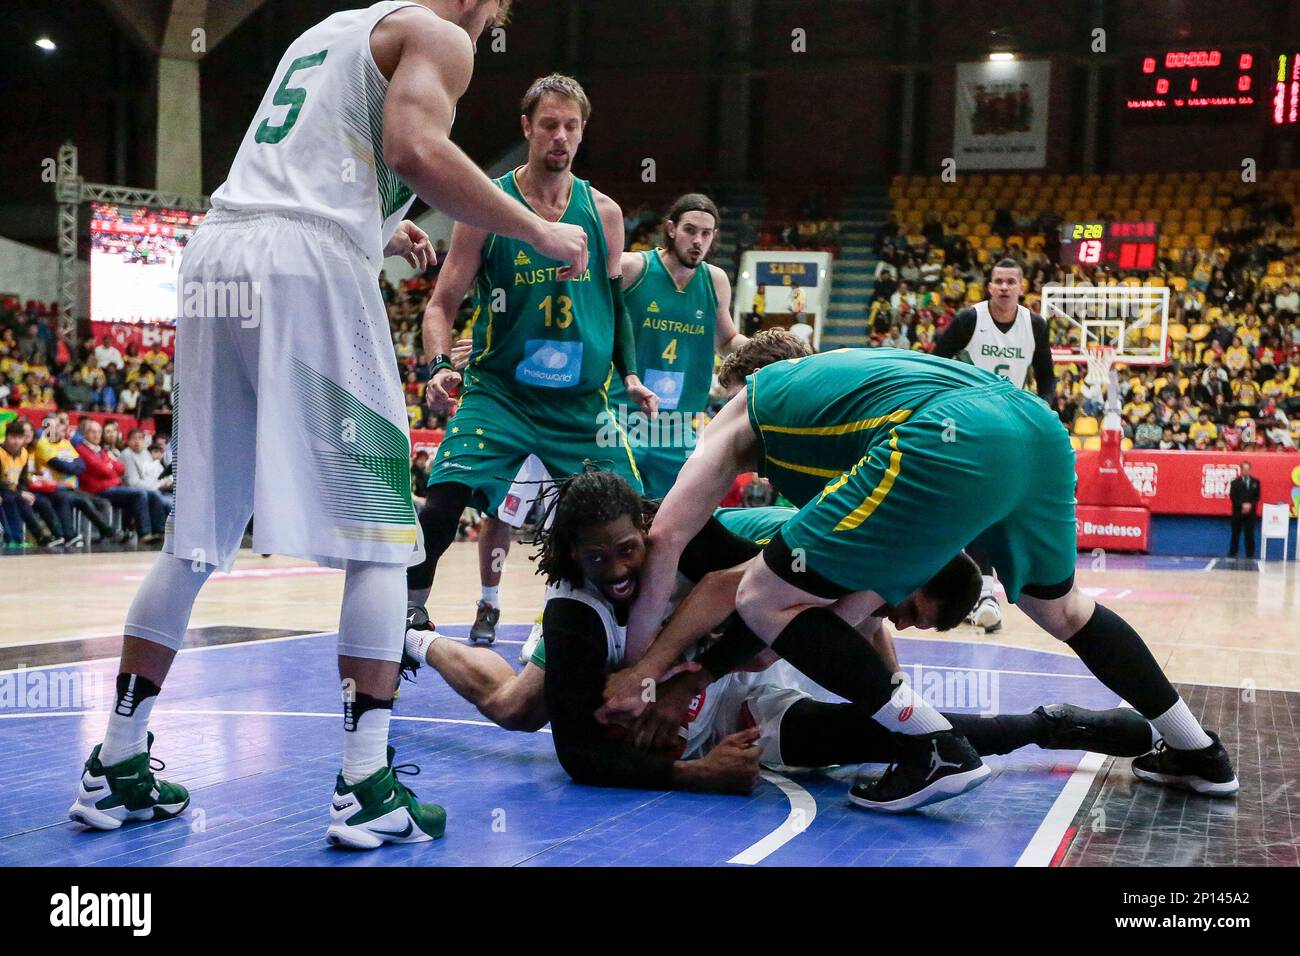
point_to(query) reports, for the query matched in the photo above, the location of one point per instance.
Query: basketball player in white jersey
(1000, 336)
(288, 399)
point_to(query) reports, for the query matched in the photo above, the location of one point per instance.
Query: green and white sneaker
(126, 791)
(381, 809)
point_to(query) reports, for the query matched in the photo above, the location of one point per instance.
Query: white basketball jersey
(1010, 353)
(316, 143)
(615, 633)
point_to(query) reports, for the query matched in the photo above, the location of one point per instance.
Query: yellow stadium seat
(1277, 268)
(1086, 425)
(1177, 333)
(1178, 283)
(1125, 444)
(1075, 443)
(1200, 330)
(1092, 443)
(1204, 241)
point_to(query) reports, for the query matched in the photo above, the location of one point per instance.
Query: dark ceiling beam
(141, 19)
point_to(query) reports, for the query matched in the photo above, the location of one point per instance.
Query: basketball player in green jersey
(543, 343)
(680, 307)
(897, 460)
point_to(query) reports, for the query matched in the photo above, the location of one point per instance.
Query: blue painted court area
(253, 730)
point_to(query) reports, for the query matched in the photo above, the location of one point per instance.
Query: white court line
(1047, 839)
(803, 810)
(266, 713)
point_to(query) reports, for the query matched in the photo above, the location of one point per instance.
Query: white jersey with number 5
(316, 143)
(1010, 353)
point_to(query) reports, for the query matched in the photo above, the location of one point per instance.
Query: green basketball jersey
(758, 525)
(530, 329)
(817, 416)
(674, 334)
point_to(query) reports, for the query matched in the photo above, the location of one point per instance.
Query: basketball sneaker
(987, 614)
(113, 795)
(534, 638)
(381, 809)
(1118, 732)
(485, 624)
(1207, 771)
(929, 768)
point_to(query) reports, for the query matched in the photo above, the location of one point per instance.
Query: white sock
(1180, 729)
(987, 589)
(908, 713)
(418, 641)
(128, 725)
(492, 595)
(365, 749)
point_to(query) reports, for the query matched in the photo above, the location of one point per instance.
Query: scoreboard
(1124, 245)
(1215, 83)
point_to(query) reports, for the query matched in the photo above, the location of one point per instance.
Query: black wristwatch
(440, 362)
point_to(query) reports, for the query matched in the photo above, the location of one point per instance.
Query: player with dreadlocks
(591, 556)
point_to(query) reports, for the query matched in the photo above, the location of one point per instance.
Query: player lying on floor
(769, 714)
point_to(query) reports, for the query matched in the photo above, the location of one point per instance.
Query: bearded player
(680, 308)
(1000, 336)
(545, 344)
(260, 397)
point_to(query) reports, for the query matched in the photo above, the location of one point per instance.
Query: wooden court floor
(1206, 625)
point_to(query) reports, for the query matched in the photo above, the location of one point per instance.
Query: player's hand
(732, 766)
(639, 393)
(565, 243)
(412, 244)
(625, 696)
(460, 353)
(438, 392)
(659, 725)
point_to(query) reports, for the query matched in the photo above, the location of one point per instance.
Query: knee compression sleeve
(372, 623)
(161, 610)
(438, 521)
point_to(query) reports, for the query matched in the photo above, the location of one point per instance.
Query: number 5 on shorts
(290, 96)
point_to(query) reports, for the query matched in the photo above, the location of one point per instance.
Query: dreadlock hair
(591, 497)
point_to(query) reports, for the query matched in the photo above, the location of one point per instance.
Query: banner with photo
(1001, 115)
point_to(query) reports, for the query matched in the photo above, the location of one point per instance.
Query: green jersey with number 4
(532, 329)
(674, 333)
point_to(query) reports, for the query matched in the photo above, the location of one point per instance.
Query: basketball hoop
(1101, 359)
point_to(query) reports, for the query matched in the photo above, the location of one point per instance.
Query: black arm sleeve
(1044, 367)
(738, 645)
(957, 335)
(714, 549)
(624, 334)
(576, 652)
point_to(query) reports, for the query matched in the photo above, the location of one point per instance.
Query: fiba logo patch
(697, 703)
(511, 505)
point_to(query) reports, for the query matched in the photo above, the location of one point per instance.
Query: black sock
(818, 734)
(1118, 658)
(1000, 734)
(822, 645)
(737, 645)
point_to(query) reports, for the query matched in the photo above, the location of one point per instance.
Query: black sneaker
(929, 768)
(1207, 771)
(1118, 732)
(417, 619)
(485, 624)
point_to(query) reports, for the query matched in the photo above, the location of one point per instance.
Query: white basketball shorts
(288, 404)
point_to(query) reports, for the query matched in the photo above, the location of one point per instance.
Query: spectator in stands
(1243, 494)
(421, 465)
(57, 466)
(897, 339)
(20, 507)
(32, 346)
(887, 233)
(1169, 442)
(128, 400)
(1203, 429)
(1149, 433)
(144, 467)
(902, 296)
(107, 354)
(103, 479)
(886, 280)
